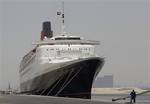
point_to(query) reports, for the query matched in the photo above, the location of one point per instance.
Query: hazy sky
(122, 26)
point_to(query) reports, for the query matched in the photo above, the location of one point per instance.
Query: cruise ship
(63, 65)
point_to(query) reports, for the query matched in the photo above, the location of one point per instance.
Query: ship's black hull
(74, 80)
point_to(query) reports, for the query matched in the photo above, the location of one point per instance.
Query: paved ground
(30, 99)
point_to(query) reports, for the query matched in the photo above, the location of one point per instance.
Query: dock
(34, 99)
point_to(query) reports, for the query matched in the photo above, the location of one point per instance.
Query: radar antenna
(61, 13)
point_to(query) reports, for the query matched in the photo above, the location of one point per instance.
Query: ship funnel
(46, 32)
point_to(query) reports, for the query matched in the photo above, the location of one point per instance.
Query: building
(105, 81)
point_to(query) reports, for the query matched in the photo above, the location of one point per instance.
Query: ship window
(70, 38)
(85, 48)
(80, 49)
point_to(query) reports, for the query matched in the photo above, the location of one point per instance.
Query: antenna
(61, 13)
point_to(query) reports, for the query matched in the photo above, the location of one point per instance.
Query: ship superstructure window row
(56, 52)
(69, 49)
(68, 38)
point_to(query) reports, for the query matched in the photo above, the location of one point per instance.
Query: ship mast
(61, 13)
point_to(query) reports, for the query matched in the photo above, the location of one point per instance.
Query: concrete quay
(32, 99)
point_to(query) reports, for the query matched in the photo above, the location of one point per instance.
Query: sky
(122, 27)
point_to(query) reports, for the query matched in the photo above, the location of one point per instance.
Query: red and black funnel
(46, 32)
